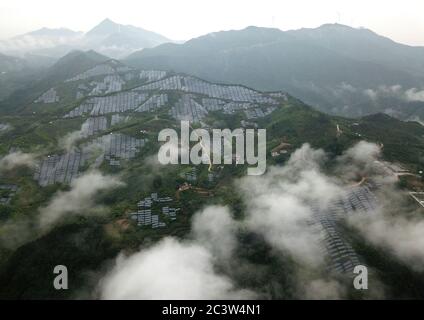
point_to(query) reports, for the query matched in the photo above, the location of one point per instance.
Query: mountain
(334, 68)
(53, 33)
(116, 113)
(66, 67)
(10, 70)
(18, 72)
(73, 63)
(364, 44)
(36, 42)
(9, 63)
(117, 40)
(37, 61)
(109, 38)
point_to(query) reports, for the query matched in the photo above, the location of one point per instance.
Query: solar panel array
(59, 168)
(194, 85)
(64, 168)
(213, 104)
(99, 70)
(145, 215)
(50, 96)
(93, 125)
(116, 119)
(119, 147)
(152, 75)
(226, 98)
(256, 113)
(12, 189)
(359, 200)
(83, 109)
(191, 175)
(232, 107)
(155, 102)
(110, 84)
(188, 109)
(120, 102)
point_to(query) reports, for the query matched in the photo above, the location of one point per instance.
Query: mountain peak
(53, 32)
(261, 29)
(73, 63)
(335, 25)
(105, 27)
(106, 22)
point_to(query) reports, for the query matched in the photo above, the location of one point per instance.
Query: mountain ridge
(324, 75)
(107, 37)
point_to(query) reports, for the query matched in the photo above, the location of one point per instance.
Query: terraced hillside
(106, 119)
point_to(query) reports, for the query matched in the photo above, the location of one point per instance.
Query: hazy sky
(183, 19)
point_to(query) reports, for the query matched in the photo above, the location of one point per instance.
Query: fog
(279, 209)
(16, 159)
(79, 199)
(174, 269)
(175, 20)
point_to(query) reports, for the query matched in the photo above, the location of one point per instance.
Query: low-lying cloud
(69, 141)
(176, 269)
(401, 236)
(279, 203)
(4, 127)
(79, 199)
(215, 229)
(415, 95)
(169, 270)
(280, 209)
(395, 91)
(321, 289)
(27, 43)
(16, 159)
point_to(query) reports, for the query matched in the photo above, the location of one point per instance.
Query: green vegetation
(87, 244)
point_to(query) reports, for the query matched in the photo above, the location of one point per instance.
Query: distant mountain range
(8, 63)
(16, 73)
(109, 38)
(41, 79)
(336, 68)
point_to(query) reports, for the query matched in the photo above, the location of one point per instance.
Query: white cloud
(321, 289)
(69, 140)
(358, 161)
(279, 207)
(279, 204)
(215, 229)
(169, 270)
(79, 199)
(400, 235)
(175, 269)
(414, 94)
(372, 94)
(16, 159)
(395, 91)
(4, 127)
